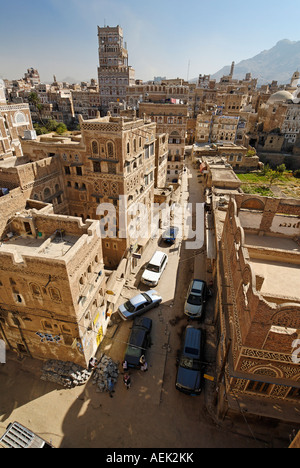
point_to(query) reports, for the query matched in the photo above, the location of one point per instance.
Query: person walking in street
(143, 363)
(110, 386)
(127, 380)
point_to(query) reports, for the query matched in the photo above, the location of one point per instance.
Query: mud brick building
(15, 119)
(111, 157)
(258, 306)
(114, 73)
(170, 119)
(53, 301)
(52, 285)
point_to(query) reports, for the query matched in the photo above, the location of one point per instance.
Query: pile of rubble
(64, 373)
(105, 373)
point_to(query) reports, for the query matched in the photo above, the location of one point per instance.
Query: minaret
(295, 79)
(232, 69)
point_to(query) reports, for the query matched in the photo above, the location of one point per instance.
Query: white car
(139, 304)
(196, 298)
(155, 268)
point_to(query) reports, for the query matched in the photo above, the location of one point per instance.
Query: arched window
(20, 118)
(35, 290)
(47, 193)
(55, 294)
(110, 149)
(95, 149)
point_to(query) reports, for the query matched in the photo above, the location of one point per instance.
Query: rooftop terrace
(54, 247)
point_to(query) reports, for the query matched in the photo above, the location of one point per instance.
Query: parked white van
(155, 268)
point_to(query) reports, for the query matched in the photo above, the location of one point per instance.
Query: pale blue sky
(171, 38)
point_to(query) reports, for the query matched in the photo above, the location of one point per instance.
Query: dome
(280, 96)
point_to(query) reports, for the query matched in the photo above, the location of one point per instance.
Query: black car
(189, 373)
(169, 236)
(139, 341)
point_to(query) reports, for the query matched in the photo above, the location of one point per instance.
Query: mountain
(278, 63)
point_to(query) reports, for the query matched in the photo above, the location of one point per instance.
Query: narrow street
(152, 413)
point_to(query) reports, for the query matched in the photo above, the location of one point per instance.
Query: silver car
(196, 298)
(139, 304)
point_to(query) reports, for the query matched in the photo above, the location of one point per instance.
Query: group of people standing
(126, 377)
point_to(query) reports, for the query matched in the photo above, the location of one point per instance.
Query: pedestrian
(144, 367)
(110, 386)
(142, 359)
(93, 363)
(125, 366)
(127, 380)
(143, 363)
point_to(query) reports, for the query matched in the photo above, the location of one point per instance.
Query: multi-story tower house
(113, 156)
(258, 303)
(15, 119)
(114, 74)
(170, 119)
(52, 283)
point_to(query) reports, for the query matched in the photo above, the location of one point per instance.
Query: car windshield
(148, 298)
(194, 299)
(171, 232)
(128, 306)
(189, 363)
(134, 351)
(154, 268)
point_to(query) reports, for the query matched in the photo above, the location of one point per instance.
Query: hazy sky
(171, 38)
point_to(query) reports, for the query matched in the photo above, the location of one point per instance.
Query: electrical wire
(143, 349)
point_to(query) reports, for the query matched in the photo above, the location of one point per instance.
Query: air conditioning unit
(29, 135)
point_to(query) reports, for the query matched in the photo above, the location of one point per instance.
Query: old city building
(239, 157)
(112, 157)
(258, 305)
(53, 191)
(252, 245)
(172, 119)
(52, 285)
(215, 127)
(15, 119)
(114, 73)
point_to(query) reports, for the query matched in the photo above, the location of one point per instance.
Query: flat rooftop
(272, 242)
(13, 162)
(56, 247)
(281, 279)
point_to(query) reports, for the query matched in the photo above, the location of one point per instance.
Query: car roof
(142, 322)
(137, 300)
(137, 336)
(197, 285)
(156, 258)
(192, 341)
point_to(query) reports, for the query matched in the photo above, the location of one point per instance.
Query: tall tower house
(114, 74)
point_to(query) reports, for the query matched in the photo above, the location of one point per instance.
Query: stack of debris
(106, 374)
(64, 373)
